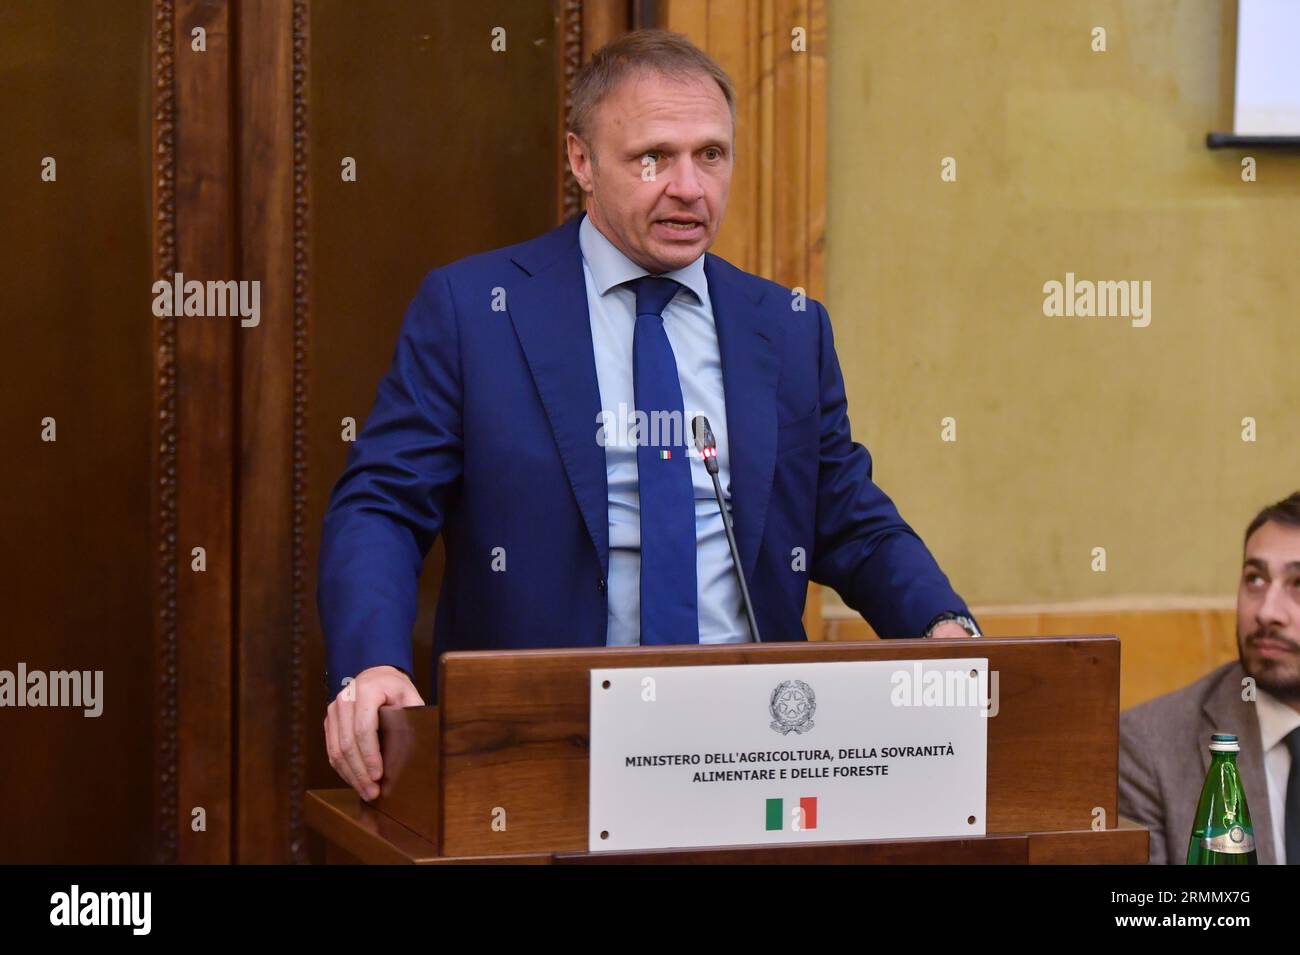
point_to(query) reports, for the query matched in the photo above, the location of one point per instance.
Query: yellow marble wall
(1163, 646)
(1072, 433)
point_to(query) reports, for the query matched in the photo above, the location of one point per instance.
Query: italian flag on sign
(807, 809)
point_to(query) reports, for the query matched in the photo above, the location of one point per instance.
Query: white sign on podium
(774, 753)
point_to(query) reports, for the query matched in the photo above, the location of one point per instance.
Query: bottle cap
(1224, 743)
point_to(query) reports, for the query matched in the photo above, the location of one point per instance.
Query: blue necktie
(669, 612)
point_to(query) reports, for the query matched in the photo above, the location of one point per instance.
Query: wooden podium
(511, 733)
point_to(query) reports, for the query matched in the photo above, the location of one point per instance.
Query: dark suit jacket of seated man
(486, 428)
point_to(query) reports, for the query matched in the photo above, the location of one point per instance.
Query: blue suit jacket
(484, 430)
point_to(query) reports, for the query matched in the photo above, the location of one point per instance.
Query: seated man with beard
(1164, 744)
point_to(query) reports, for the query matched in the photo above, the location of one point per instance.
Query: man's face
(1268, 610)
(657, 183)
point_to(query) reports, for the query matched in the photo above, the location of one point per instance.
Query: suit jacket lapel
(748, 336)
(550, 317)
(1226, 712)
(548, 309)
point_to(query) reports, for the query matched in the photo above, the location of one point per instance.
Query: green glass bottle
(1221, 831)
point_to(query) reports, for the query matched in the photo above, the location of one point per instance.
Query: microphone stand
(707, 445)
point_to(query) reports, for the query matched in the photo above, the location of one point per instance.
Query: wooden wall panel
(163, 491)
(205, 437)
(269, 716)
(78, 566)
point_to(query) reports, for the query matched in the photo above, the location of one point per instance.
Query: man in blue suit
(538, 415)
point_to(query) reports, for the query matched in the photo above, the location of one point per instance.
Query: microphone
(707, 445)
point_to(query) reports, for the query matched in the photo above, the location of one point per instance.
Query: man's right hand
(352, 725)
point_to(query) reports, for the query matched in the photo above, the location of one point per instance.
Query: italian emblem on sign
(792, 706)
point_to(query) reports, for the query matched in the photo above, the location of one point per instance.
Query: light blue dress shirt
(688, 321)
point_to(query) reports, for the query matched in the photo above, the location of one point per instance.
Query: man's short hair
(641, 51)
(1283, 512)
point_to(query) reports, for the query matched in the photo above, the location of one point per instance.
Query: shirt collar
(610, 267)
(1276, 719)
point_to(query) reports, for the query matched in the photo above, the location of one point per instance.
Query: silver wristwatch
(966, 623)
